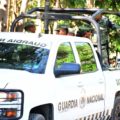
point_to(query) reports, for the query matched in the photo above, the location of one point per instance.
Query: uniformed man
(63, 30)
(30, 27)
(105, 25)
(84, 32)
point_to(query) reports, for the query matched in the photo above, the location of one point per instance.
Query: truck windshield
(23, 57)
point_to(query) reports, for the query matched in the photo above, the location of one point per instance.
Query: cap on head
(63, 30)
(85, 28)
(28, 24)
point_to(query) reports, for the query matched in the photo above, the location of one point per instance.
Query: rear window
(23, 57)
(86, 56)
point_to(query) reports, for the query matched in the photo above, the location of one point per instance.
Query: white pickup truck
(53, 77)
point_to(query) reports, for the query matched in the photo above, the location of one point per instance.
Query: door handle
(100, 82)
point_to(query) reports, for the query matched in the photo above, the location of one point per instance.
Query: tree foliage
(14, 9)
(108, 4)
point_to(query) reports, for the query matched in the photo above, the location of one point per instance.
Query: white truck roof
(35, 36)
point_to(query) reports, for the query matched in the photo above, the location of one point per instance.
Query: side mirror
(67, 69)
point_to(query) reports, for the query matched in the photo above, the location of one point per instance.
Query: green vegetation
(64, 55)
(86, 58)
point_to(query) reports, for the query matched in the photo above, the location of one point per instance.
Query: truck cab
(51, 75)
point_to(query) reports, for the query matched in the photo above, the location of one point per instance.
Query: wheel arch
(117, 94)
(46, 110)
(115, 114)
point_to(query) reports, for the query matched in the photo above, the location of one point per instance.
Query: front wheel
(116, 109)
(34, 116)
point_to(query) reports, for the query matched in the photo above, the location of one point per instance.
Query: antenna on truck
(46, 20)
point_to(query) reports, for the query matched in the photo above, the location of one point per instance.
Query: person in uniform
(84, 32)
(30, 27)
(105, 26)
(63, 31)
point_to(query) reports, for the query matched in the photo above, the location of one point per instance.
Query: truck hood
(31, 84)
(19, 77)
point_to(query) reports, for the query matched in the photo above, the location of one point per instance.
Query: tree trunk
(38, 21)
(90, 4)
(19, 27)
(12, 11)
(23, 6)
(57, 4)
(3, 15)
(8, 14)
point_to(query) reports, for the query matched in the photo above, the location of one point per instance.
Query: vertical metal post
(46, 20)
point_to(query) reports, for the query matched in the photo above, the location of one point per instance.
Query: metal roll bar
(47, 14)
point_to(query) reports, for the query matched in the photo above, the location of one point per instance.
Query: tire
(116, 110)
(34, 116)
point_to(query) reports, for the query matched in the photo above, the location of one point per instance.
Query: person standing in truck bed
(30, 27)
(105, 26)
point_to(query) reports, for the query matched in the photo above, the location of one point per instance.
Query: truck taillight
(11, 104)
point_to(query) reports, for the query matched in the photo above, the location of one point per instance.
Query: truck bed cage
(58, 11)
(47, 14)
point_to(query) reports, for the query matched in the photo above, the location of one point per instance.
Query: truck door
(78, 96)
(67, 92)
(91, 83)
